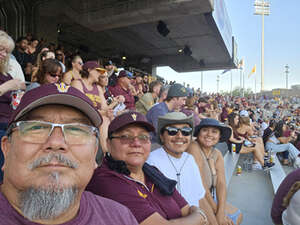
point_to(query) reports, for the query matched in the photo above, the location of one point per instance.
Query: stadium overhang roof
(187, 35)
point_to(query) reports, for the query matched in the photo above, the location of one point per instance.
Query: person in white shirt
(174, 131)
(14, 69)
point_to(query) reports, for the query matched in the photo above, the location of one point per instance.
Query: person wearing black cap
(50, 148)
(211, 164)
(175, 101)
(112, 76)
(126, 178)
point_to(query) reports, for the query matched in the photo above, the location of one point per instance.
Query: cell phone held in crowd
(16, 98)
(248, 143)
(109, 100)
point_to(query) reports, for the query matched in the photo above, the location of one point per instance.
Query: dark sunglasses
(54, 75)
(185, 131)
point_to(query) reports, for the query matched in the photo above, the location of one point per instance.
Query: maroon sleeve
(277, 208)
(181, 202)
(119, 190)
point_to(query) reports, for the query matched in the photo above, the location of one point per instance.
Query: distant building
(294, 91)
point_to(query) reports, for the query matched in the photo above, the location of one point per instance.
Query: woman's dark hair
(272, 123)
(70, 60)
(47, 66)
(278, 128)
(84, 73)
(231, 117)
(153, 84)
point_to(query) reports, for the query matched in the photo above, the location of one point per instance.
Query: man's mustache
(61, 159)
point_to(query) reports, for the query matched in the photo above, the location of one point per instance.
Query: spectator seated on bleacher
(7, 85)
(276, 142)
(126, 178)
(190, 109)
(123, 87)
(74, 68)
(43, 55)
(287, 189)
(47, 166)
(149, 99)
(242, 137)
(20, 52)
(175, 100)
(211, 165)
(90, 73)
(49, 72)
(175, 131)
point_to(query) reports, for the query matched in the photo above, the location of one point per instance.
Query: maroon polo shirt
(142, 200)
(129, 99)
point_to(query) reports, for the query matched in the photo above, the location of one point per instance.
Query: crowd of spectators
(136, 109)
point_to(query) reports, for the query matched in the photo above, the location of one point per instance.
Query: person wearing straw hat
(174, 131)
(211, 164)
(50, 148)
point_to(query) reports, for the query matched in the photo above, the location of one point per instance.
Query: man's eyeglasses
(185, 131)
(38, 132)
(128, 139)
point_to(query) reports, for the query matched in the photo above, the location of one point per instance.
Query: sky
(282, 47)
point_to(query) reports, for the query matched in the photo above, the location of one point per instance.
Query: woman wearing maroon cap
(126, 178)
(90, 73)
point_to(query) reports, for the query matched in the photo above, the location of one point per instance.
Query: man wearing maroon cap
(123, 87)
(50, 148)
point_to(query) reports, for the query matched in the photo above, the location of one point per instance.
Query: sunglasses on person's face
(185, 131)
(54, 74)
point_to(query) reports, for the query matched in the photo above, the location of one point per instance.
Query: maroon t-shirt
(129, 99)
(5, 100)
(287, 183)
(143, 201)
(94, 210)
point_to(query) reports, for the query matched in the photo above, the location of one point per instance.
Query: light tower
(287, 75)
(262, 8)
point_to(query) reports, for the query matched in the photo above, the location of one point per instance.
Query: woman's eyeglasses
(185, 131)
(128, 139)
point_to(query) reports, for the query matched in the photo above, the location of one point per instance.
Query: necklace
(178, 173)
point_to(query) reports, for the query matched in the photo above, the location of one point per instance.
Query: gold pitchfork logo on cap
(134, 116)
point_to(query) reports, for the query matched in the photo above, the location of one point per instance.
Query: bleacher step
(230, 161)
(277, 174)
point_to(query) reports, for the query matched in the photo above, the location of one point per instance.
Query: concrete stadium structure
(187, 35)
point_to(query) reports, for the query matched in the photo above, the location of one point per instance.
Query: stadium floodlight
(262, 8)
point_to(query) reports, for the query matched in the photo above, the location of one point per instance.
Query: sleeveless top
(209, 169)
(93, 95)
(237, 134)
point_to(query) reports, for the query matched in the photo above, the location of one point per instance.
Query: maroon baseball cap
(124, 73)
(129, 118)
(93, 65)
(57, 94)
